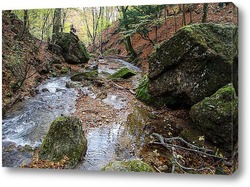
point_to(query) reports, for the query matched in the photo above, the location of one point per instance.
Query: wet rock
(71, 84)
(11, 152)
(45, 90)
(88, 75)
(122, 73)
(217, 117)
(198, 60)
(72, 49)
(60, 90)
(65, 138)
(128, 166)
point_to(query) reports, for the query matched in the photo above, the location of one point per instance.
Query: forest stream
(25, 126)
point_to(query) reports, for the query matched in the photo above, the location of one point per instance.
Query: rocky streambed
(102, 106)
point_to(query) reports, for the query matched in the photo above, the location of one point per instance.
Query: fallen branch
(193, 147)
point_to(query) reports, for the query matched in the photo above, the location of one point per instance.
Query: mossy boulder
(217, 117)
(65, 138)
(72, 49)
(122, 73)
(198, 60)
(88, 75)
(128, 166)
(142, 94)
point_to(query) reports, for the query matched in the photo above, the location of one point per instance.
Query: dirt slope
(112, 39)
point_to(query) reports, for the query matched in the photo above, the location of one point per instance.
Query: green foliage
(142, 19)
(36, 21)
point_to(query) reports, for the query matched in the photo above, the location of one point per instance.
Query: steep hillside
(112, 37)
(25, 61)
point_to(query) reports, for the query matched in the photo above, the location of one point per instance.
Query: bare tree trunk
(56, 24)
(25, 26)
(205, 10)
(64, 19)
(175, 21)
(190, 16)
(128, 43)
(44, 23)
(184, 14)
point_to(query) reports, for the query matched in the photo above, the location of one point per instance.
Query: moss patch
(217, 117)
(128, 166)
(88, 75)
(65, 138)
(143, 95)
(122, 73)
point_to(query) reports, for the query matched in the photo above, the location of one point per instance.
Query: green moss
(83, 49)
(128, 166)
(88, 75)
(65, 70)
(122, 73)
(64, 40)
(218, 37)
(142, 91)
(143, 95)
(217, 117)
(65, 138)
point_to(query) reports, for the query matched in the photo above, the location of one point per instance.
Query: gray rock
(198, 60)
(65, 138)
(217, 117)
(73, 51)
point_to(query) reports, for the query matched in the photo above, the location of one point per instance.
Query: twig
(194, 169)
(195, 148)
(157, 169)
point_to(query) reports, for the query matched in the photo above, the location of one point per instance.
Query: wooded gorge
(147, 88)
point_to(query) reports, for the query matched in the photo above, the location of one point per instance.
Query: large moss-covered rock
(142, 94)
(72, 48)
(122, 73)
(65, 138)
(128, 166)
(194, 63)
(88, 75)
(217, 117)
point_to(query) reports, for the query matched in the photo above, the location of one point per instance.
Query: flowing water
(28, 122)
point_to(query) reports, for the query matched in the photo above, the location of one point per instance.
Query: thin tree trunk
(175, 21)
(64, 19)
(190, 17)
(205, 10)
(44, 23)
(24, 29)
(56, 24)
(184, 14)
(129, 45)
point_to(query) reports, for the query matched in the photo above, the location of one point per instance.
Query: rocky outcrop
(72, 49)
(217, 117)
(122, 73)
(65, 138)
(128, 166)
(197, 61)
